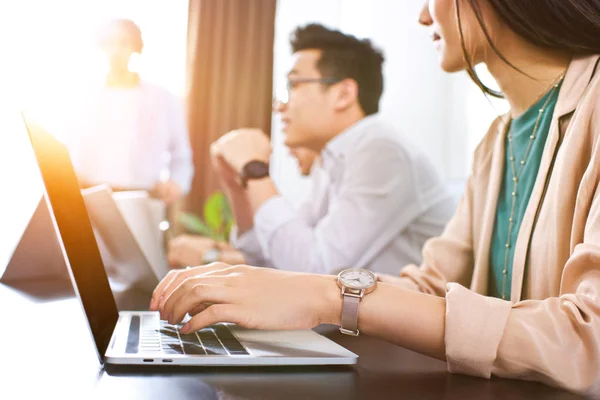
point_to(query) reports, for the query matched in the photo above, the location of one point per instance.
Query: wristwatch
(211, 255)
(355, 283)
(254, 170)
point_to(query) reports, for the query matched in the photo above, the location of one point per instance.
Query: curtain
(229, 76)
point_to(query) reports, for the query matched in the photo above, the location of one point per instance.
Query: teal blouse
(521, 129)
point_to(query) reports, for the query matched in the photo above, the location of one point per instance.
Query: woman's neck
(540, 69)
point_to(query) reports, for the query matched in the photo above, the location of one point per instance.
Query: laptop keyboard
(168, 339)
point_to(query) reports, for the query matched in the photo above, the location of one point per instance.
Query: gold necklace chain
(554, 82)
(517, 174)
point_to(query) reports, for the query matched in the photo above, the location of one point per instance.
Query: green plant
(217, 222)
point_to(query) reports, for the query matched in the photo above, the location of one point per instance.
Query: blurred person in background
(129, 133)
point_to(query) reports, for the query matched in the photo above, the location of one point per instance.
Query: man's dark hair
(344, 56)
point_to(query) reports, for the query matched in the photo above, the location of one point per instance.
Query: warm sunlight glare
(49, 53)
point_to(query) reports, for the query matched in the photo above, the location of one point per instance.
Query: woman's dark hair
(568, 25)
(344, 56)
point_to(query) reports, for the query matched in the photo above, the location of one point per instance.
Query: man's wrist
(260, 191)
(212, 255)
(240, 165)
(253, 170)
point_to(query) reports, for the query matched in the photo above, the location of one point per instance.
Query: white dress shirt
(374, 202)
(131, 138)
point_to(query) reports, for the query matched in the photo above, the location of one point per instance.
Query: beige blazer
(549, 331)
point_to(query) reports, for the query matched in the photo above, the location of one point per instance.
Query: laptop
(29, 246)
(137, 256)
(147, 218)
(141, 338)
(37, 254)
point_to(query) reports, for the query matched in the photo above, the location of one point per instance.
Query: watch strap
(211, 255)
(350, 303)
(249, 171)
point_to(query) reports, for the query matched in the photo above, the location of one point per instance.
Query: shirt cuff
(474, 327)
(274, 213)
(246, 242)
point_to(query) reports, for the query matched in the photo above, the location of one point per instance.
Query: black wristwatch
(254, 170)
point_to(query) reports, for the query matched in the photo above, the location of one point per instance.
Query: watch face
(357, 278)
(211, 256)
(257, 169)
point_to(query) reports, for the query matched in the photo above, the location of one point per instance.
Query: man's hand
(169, 192)
(235, 192)
(241, 146)
(229, 155)
(232, 256)
(187, 250)
(227, 175)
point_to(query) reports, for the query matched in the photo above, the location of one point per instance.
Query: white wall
(427, 105)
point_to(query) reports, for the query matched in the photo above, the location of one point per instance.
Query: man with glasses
(375, 200)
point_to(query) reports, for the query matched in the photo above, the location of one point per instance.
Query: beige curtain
(230, 77)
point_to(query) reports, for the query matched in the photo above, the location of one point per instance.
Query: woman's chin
(452, 64)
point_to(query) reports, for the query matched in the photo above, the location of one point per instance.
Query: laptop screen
(75, 232)
(17, 165)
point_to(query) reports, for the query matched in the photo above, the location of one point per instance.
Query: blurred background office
(226, 60)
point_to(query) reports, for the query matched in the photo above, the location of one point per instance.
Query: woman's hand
(251, 297)
(391, 279)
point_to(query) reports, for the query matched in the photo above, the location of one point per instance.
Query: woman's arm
(271, 299)
(556, 340)
(407, 318)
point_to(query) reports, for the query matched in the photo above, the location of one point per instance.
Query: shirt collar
(338, 148)
(575, 83)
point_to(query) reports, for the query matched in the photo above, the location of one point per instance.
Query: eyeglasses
(292, 83)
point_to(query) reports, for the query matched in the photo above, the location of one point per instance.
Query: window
(52, 50)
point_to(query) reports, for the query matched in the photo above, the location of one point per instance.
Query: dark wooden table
(46, 352)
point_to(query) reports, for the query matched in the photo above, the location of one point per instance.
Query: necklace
(554, 82)
(517, 174)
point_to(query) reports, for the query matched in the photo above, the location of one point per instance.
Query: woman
(525, 238)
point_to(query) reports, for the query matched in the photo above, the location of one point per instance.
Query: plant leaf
(213, 212)
(227, 218)
(193, 224)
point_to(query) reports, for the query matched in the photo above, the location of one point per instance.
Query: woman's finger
(195, 295)
(212, 315)
(185, 288)
(159, 289)
(175, 275)
(167, 285)
(199, 309)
